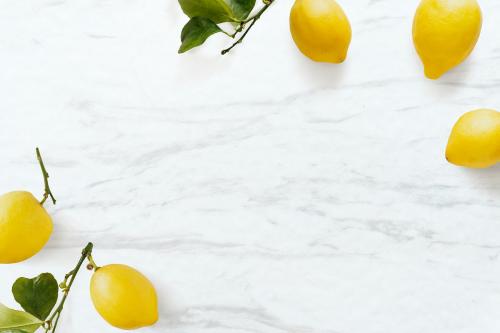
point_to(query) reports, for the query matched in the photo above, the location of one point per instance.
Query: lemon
(475, 140)
(25, 227)
(321, 30)
(445, 33)
(124, 297)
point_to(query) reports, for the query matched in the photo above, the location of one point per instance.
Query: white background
(259, 191)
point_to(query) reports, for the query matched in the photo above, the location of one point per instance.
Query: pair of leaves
(37, 297)
(206, 14)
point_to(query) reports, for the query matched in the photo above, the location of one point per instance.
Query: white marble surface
(261, 192)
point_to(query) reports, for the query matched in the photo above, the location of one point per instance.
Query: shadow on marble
(167, 309)
(453, 80)
(324, 75)
(487, 180)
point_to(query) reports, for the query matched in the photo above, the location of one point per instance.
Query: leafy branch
(206, 15)
(38, 297)
(240, 28)
(51, 323)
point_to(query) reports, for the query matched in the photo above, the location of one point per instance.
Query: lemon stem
(241, 26)
(92, 266)
(48, 192)
(51, 323)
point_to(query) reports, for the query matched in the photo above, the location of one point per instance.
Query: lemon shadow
(319, 74)
(486, 180)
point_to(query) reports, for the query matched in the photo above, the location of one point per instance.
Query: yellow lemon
(445, 33)
(321, 30)
(124, 297)
(25, 227)
(475, 140)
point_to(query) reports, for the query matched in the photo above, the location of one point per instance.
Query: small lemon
(475, 140)
(445, 33)
(25, 227)
(321, 30)
(124, 297)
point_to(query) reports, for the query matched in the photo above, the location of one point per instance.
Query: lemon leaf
(241, 8)
(196, 32)
(17, 321)
(218, 11)
(38, 295)
(215, 10)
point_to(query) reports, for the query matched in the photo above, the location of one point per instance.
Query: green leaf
(196, 32)
(38, 295)
(218, 11)
(241, 8)
(13, 331)
(17, 321)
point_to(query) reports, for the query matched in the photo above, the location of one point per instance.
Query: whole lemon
(475, 140)
(25, 227)
(445, 33)
(321, 30)
(124, 297)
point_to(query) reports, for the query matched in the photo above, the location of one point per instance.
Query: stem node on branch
(50, 324)
(47, 192)
(241, 26)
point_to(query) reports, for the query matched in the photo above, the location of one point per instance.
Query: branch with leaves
(38, 297)
(207, 15)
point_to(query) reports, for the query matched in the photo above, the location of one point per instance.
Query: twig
(51, 323)
(48, 192)
(240, 28)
